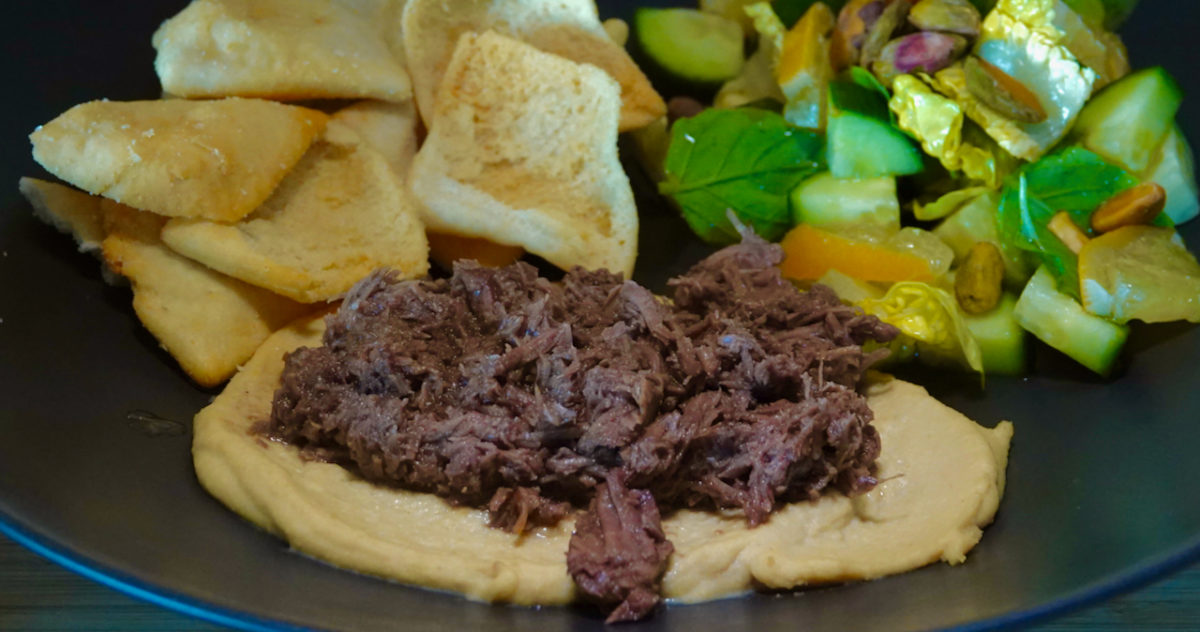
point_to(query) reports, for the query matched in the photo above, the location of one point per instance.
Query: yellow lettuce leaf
(930, 317)
(937, 122)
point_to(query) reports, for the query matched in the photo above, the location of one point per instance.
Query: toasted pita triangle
(282, 49)
(73, 212)
(570, 28)
(340, 214)
(207, 321)
(388, 128)
(213, 159)
(523, 151)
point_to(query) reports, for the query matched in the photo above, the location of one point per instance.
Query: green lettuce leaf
(744, 160)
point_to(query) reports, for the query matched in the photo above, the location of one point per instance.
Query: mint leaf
(1077, 181)
(744, 160)
(1074, 180)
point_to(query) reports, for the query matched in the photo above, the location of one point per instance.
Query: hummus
(941, 479)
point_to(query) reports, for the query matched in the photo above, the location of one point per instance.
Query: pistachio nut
(881, 31)
(948, 16)
(853, 21)
(999, 91)
(927, 52)
(1131, 207)
(978, 285)
(683, 107)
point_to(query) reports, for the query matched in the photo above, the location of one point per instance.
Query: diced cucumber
(974, 222)
(690, 45)
(1127, 121)
(1000, 338)
(829, 202)
(861, 140)
(864, 147)
(1061, 322)
(1175, 171)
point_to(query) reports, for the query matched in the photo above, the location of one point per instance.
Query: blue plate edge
(1122, 582)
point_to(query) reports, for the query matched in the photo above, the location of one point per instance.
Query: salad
(973, 172)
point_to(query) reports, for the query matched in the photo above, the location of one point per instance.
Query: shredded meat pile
(496, 388)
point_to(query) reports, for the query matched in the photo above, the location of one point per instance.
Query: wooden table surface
(38, 596)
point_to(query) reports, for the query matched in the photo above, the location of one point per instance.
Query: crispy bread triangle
(208, 322)
(340, 214)
(212, 159)
(282, 49)
(523, 151)
(570, 28)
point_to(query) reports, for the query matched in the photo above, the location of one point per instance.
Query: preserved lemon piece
(1140, 272)
(804, 67)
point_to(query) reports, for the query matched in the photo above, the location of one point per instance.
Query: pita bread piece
(212, 159)
(386, 16)
(73, 212)
(570, 28)
(340, 214)
(389, 128)
(207, 321)
(523, 151)
(279, 49)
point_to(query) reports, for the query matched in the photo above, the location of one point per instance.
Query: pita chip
(212, 159)
(68, 210)
(570, 28)
(282, 49)
(523, 151)
(208, 322)
(388, 128)
(340, 214)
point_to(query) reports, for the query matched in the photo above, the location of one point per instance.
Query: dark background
(1103, 484)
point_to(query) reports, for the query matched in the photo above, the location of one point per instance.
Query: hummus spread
(941, 478)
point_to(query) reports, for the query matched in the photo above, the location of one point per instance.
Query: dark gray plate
(1103, 483)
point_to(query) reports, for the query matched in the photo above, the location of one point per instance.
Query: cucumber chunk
(1127, 121)
(861, 141)
(1061, 322)
(690, 45)
(828, 202)
(863, 147)
(1001, 338)
(1175, 171)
